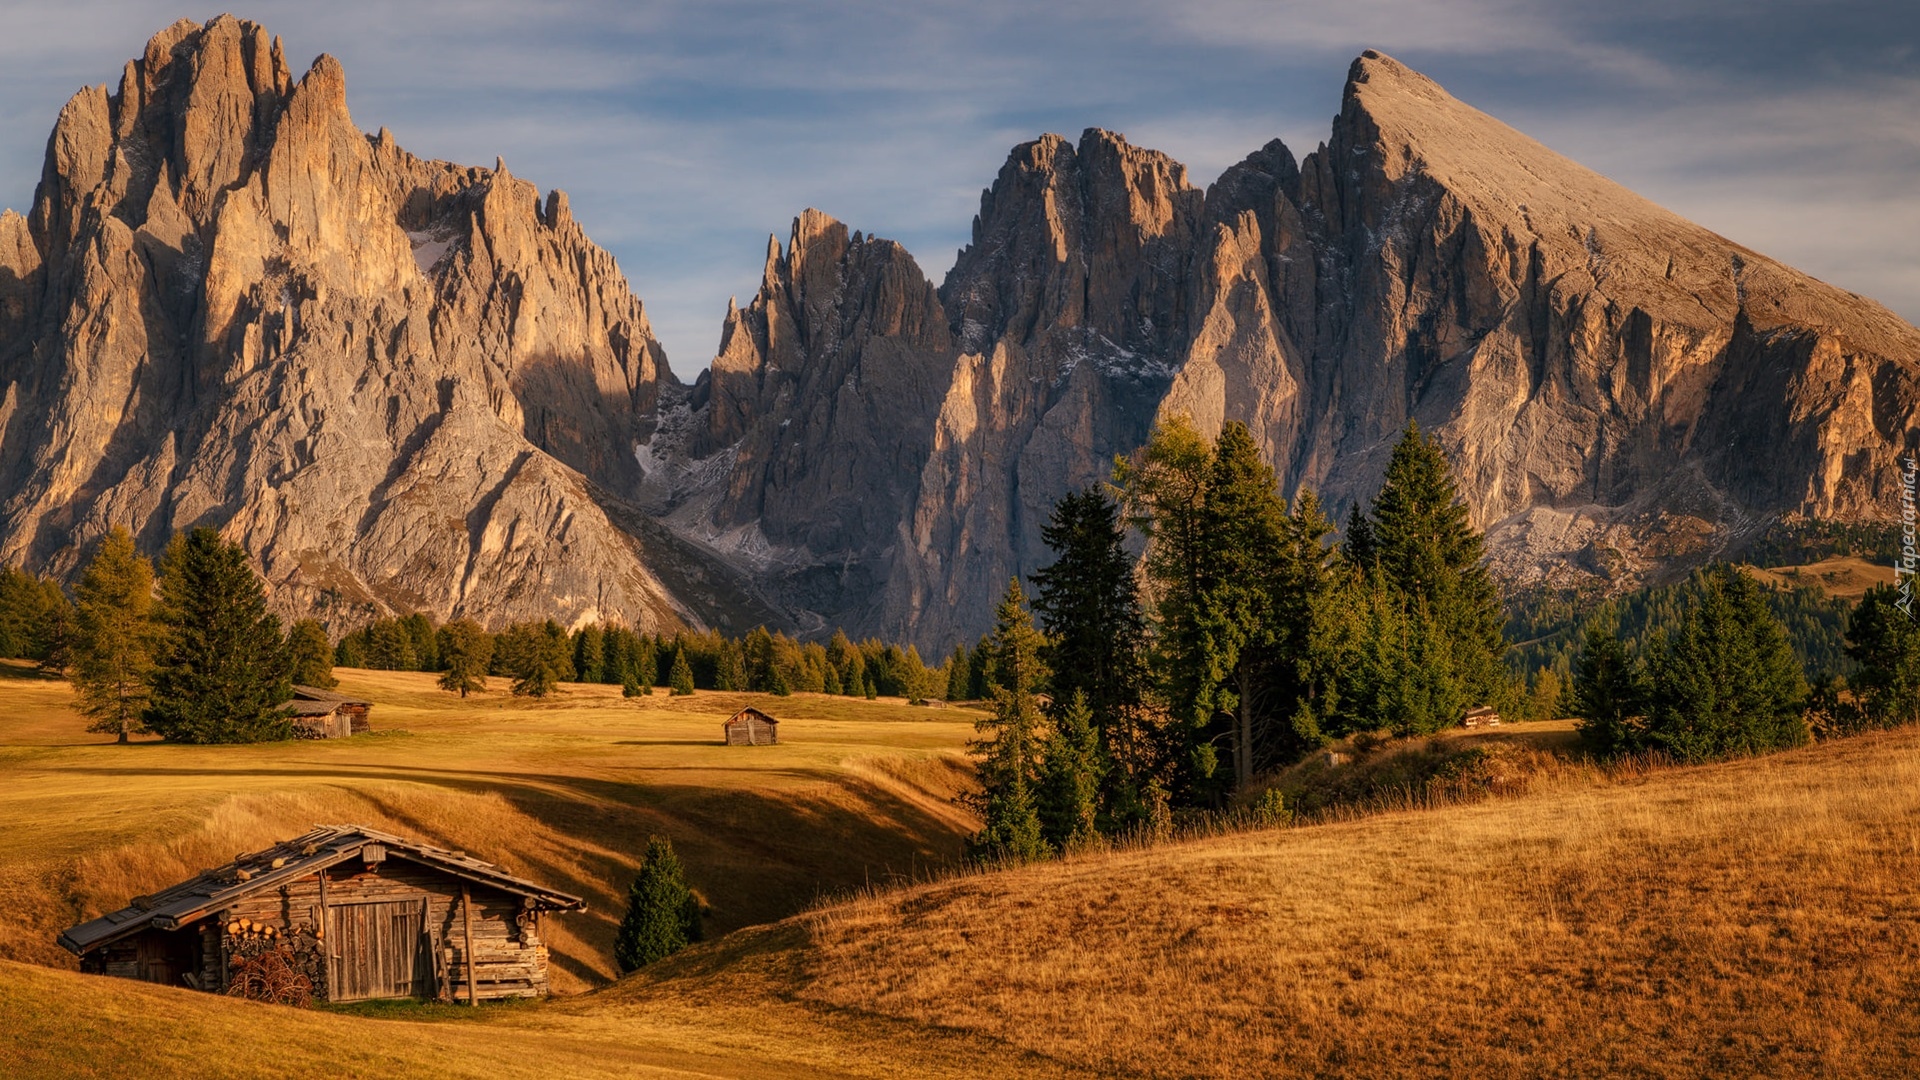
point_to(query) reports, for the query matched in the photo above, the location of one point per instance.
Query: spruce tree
(466, 654)
(1239, 672)
(1010, 743)
(1089, 606)
(1726, 681)
(1072, 768)
(1609, 695)
(423, 641)
(114, 636)
(311, 654)
(222, 674)
(663, 915)
(1430, 555)
(957, 666)
(1885, 641)
(680, 679)
(589, 654)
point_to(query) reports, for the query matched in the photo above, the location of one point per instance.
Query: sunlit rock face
(402, 384)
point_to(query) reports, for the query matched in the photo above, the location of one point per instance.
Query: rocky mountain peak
(402, 383)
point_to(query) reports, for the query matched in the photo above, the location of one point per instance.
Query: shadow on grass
(755, 856)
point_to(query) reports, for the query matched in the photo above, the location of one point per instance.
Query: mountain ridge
(415, 384)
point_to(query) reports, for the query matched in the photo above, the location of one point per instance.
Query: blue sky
(686, 132)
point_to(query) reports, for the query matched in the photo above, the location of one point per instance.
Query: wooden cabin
(751, 727)
(390, 918)
(323, 714)
(1482, 716)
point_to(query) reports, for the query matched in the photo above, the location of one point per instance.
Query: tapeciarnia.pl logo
(1908, 562)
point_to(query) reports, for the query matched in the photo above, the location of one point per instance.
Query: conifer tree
(1010, 743)
(1243, 526)
(222, 674)
(1885, 641)
(680, 679)
(420, 633)
(830, 681)
(390, 647)
(1089, 606)
(590, 653)
(1609, 695)
(958, 668)
(872, 687)
(646, 665)
(663, 915)
(114, 636)
(466, 654)
(537, 656)
(1430, 555)
(1726, 681)
(1072, 767)
(311, 654)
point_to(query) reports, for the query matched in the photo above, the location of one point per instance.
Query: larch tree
(114, 636)
(466, 652)
(680, 678)
(222, 674)
(311, 654)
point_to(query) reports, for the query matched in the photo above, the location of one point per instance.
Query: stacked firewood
(265, 963)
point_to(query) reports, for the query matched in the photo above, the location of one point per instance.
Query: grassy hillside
(1753, 918)
(565, 791)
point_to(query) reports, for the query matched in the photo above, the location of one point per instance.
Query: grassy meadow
(1751, 918)
(564, 790)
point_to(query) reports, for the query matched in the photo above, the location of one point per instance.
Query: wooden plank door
(376, 950)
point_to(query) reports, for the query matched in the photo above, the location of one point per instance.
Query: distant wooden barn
(389, 917)
(751, 727)
(1482, 716)
(323, 714)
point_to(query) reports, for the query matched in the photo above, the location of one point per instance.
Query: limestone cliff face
(1623, 392)
(1618, 386)
(401, 383)
(1070, 306)
(823, 396)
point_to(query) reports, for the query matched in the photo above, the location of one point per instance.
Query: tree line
(536, 656)
(1249, 633)
(1246, 635)
(194, 655)
(1719, 674)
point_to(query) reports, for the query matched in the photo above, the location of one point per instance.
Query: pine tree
(1885, 641)
(114, 636)
(663, 915)
(222, 674)
(1010, 743)
(1726, 681)
(680, 680)
(1073, 767)
(466, 653)
(1609, 695)
(311, 654)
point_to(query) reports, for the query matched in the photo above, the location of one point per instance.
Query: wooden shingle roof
(325, 846)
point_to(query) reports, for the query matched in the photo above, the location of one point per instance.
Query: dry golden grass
(1753, 918)
(565, 791)
(1756, 918)
(1841, 577)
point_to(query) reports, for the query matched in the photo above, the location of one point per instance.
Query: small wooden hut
(377, 915)
(323, 714)
(1482, 716)
(751, 727)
